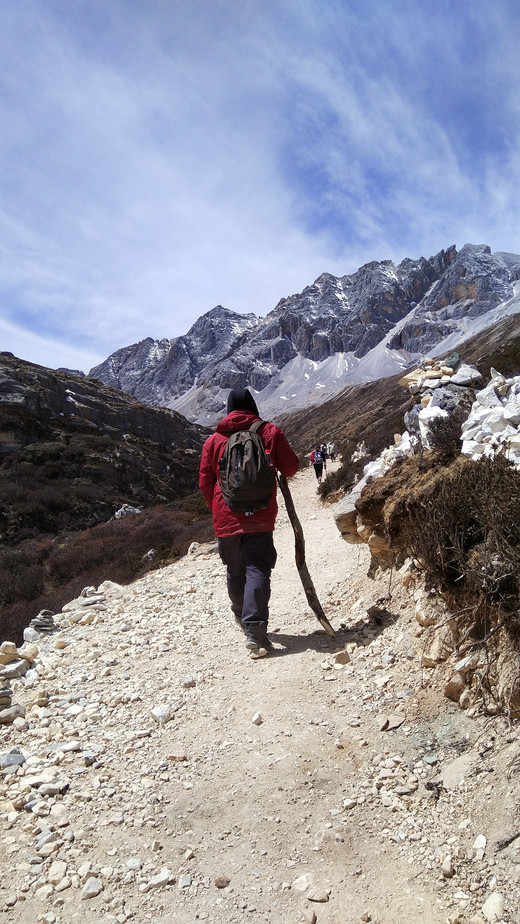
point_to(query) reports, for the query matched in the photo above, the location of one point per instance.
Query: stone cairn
(42, 624)
(438, 389)
(14, 663)
(493, 424)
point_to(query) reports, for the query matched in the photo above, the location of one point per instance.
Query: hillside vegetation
(74, 453)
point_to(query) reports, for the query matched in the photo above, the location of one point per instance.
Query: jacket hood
(236, 420)
(241, 399)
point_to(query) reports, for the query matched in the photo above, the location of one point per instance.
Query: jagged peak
(473, 249)
(219, 315)
(409, 307)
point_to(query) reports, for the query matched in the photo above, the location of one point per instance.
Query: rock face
(473, 284)
(33, 400)
(344, 317)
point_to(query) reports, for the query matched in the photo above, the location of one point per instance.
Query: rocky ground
(160, 775)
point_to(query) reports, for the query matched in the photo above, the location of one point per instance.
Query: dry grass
(462, 521)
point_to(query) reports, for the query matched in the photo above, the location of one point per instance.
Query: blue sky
(161, 157)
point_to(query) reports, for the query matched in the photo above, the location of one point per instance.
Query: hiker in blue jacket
(317, 461)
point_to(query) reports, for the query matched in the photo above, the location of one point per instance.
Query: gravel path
(167, 777)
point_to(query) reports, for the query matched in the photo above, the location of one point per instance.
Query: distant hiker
(331, 451)
(325, 455)
(245, 539)
(317, 462)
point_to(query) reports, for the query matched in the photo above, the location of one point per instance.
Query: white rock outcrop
(494, 421)
(492, 426)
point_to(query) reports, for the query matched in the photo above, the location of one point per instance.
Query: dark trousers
(249, 559)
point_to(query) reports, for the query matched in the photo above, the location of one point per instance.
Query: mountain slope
(354, 328)
(372, 412)
(73, 454)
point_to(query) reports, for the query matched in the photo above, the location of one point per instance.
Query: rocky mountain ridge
(353, 328)
(33, 397)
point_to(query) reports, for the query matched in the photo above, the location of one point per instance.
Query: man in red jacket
(245, 543)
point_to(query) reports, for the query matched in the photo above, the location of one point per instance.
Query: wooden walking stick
(299, 550)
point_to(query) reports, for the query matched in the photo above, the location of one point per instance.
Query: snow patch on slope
(468, 327)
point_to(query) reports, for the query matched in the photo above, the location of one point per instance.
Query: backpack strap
(254, 428)
(256, 425)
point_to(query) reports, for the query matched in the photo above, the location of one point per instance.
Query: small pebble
(222, 882)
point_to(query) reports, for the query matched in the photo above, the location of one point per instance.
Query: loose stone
(309, 916)
(14, 669)
(8, 652)
(11, 713)
(342, 657)
(447, 868)
(159, 881)
(13, 759)
(161, 714)
(302, 883)
(92, 887)
(56, 872)
(493, 907)
(317, 895)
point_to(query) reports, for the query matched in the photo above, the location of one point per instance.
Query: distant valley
(74, 450)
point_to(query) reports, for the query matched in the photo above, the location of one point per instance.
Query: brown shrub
(444, 434)
(45, 573)
(461, 522)
(452, 514)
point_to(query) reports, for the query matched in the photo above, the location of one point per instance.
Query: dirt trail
(300, 787)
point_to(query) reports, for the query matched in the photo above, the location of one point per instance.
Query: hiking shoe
(258, 648)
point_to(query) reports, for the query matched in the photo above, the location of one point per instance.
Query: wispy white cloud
(162, 158)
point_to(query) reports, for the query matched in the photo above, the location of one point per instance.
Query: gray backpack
(247, 475)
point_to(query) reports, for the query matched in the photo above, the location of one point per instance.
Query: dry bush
(462, 522)
(444, 434)
(23, 574)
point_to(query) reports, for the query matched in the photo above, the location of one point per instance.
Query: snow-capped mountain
(339, 330)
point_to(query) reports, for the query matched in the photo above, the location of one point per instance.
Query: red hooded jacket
(225, 522)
